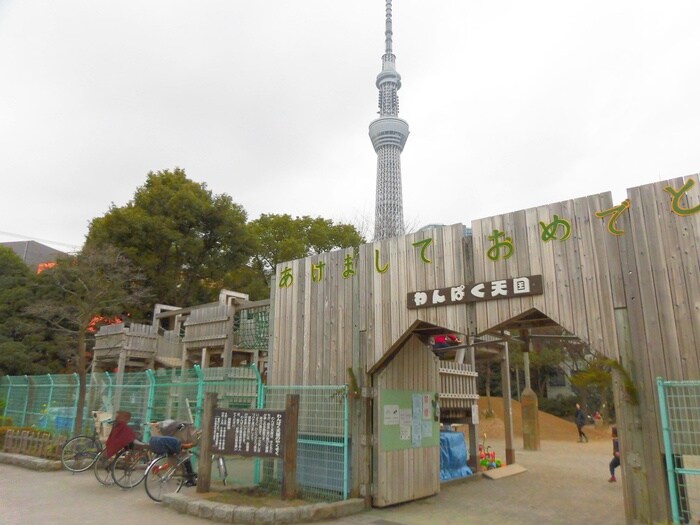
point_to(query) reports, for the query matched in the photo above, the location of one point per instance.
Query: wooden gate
(406, 457)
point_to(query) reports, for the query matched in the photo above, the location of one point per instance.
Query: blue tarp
(453, 456)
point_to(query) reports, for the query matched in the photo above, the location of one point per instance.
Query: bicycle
(129, 466)
(168, 473)
(80, 452)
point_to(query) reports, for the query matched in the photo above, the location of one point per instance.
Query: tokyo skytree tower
(388, 134)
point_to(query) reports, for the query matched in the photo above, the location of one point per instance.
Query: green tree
(184, 238)
(97, 282)
(545, 362)
(280, 238)
(26, 345)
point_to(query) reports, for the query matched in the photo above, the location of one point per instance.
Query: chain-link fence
(680, 418)
(323, 472)
(50, 401)
(45, 402)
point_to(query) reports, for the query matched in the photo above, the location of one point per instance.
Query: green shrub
(560, 406)
(5, 421)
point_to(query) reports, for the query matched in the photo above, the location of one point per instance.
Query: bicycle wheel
(223, 472)
(129, 468)
(79, 453)
(162, 477)
(103, 469)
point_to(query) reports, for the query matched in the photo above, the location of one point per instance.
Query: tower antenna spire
(388, 134)
(388, 33)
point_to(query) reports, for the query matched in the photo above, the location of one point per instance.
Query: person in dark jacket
(615, 462)
(580, 420)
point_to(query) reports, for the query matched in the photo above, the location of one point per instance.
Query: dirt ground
(551, 427)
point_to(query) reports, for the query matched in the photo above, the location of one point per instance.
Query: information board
(256, 433)
(408, 420)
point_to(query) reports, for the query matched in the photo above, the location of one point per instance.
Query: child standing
(615, 462)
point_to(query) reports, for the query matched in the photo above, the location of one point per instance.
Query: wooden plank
(608, 275)
(649, 361)
(589, 308)
(291, 431)
(670, 283)
(680, 236)
(548, 266)
(688, 230)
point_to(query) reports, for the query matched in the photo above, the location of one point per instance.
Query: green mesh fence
(132, 395)
(679, 402)
(323, 444)
(323, 472)
(251, 327)
(45, 402)
(50, 401)
(17, 399)
(174, 395)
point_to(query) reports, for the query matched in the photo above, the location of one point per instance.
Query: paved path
(566, 483)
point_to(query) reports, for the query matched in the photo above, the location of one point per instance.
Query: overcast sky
(510, 104)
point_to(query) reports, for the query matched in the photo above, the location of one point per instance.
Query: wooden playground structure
(231, 332)
(623, 278)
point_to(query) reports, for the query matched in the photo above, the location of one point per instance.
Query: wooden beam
(204, 468)
(291, 429)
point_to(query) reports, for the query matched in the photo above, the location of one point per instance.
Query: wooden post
(528, 400)
(507, 406)
(291, 429)
(121, 369)
(205, 442)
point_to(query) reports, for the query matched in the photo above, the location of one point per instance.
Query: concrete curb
(224, 513)
(30, 462)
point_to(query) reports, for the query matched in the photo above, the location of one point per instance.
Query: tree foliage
(280, 238)
(182, 236)
(26, 345)
(97, 282)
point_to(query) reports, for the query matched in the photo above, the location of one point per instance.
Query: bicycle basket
(103, 424)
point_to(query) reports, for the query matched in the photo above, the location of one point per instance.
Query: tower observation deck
(388, 134)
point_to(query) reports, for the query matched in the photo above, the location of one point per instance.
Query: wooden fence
(39, 444)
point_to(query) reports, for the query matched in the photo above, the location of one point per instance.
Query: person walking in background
(580, 420)
(615, 462)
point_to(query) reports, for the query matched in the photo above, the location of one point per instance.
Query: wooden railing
(458, 392)
(39, 444)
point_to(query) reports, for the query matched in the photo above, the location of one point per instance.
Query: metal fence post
(76, 395)
(345, 444)
(110, 394)
(149, 404)
(50, 399)
(26, 401)
(260, 388)
(668, 452)
(200, 396)
(9, 396)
